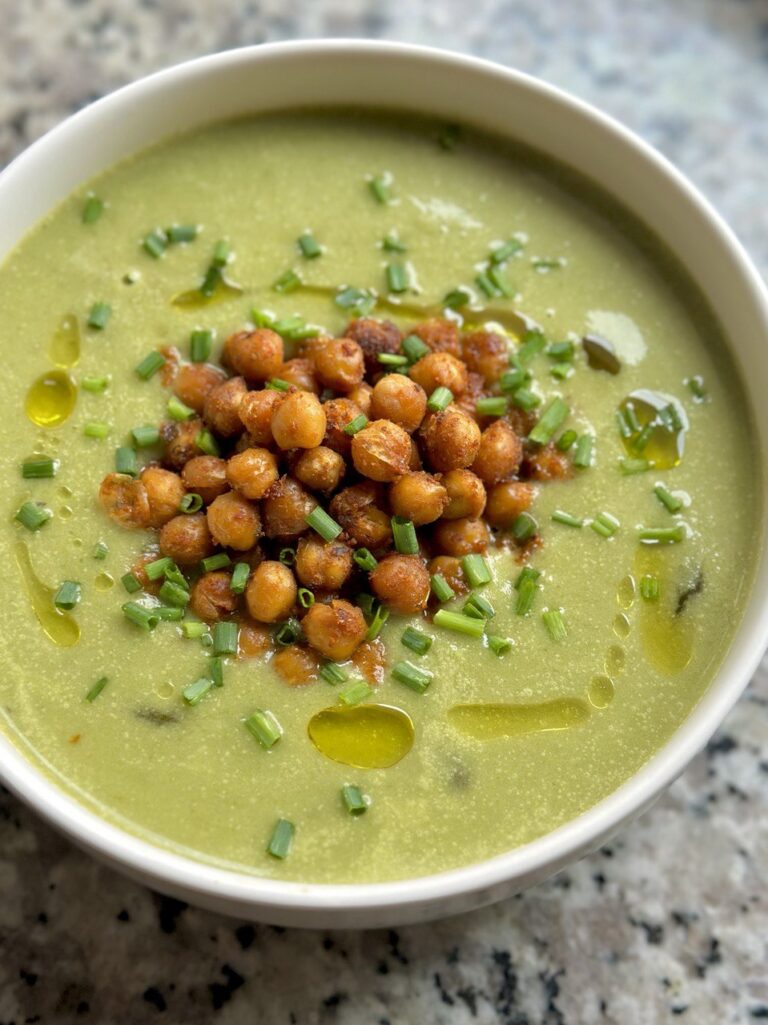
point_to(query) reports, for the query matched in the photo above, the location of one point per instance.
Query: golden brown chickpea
(285, 507)
(439, 333)
(256, 355)
(125, 500)
(419, 497)
(335, 630)
(180, 441)
(451, 439)
(381, 450)
(256, 412)
(358, 510)
(233, 521)
(212, 598)
(415, 463)
(548, 464)
(486, 353)
(338, 414)
(466, 495)
(374, 337)
(507, 500)
(165, 491)
(271, 592)
(499, 455)
(321, 469)
(186, 539)
(361, 396)
(339, 364)
(221, 407)
(300, 373)
(440, 370)
(399, 399)
(371, 660)
(522, 422)
(295, 665)
(195, 381)
(206, 476)
(252, 472)
(253, 639)
(460, 537)
(401, 582)
(299, 421)
(323, 565)
(450, 569)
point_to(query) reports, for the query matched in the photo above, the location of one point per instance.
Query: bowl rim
(546, 853)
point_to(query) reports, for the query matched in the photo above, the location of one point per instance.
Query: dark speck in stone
(722, 744)
(445, 996)
(603, 1007)
(245, 935)
(327, 943)
(393, 938)
(599, 880)
(505, 1000)
(382, 968)
(277, 929)
(83, 1007)
(42, 918)
(29, 977)
(760, 1011)
(123, 916)
(468, 996)
(684, 918)
(552, 991)
(221, 993)
(453, 956)
(153, 996)
(711, 957)
(607, 852)
(654, 934)
(334, 1000)
(735, 791)
(763, 766)
(168, 910)
(678, 1009)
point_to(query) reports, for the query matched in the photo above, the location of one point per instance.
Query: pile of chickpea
(459, 477)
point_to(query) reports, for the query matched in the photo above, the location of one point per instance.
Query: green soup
(505, 746)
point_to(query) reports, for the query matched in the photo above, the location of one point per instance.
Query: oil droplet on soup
(488, 722)
(194, 299)
(625, 592)
(667, 636)
(103, 582)
(615, 660)
(365, 737)
(64, 350)
(621, 626)
(51, 399)
(58, 626)
(655, 427)
(600, 691)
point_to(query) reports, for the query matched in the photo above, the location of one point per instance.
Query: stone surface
(667, 924)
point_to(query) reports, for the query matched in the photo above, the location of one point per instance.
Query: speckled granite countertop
(668, 923)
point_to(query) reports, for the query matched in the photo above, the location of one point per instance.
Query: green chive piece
(582, 457)
(549, 421)
(561, 352)
(288, 633)
(392, 244)
(555, 623)
(525, 399)
(192, 629)
(566, 441)
(222, 253)
(496, 406)
(288, 282)
(449, 136)
(333, 673)
(306, 597)
(150, 365)
(169, 613)
(218, 561)
(155, 243)
(296, 328)
(478, 607)
(404, 534)
(310, 248)
(457, 298)
(629, 467)
(145, 437)
(68, 595)
(125, 460)
(511, 380)
(670, 502)
(355, 692)
(397, 278)
(264, 727)
(380, 188)
(440, 399)
(225, 638)
(561, 371)
(526, 592)
(157, 569)
(100, 550)
(216, 670)
(174, 594)
(355, 298)
(320, 521)
(206, 442)
(625, 429)
(180, 233)
(485, 285)
(130, 582)
(559, 516)
(416, 640)
(392, 359)
(525, 574)
(194, 693)
(501, 282)
(39, 468)
(367, 603)
(459, 623)
(278, 384)
(97, 688)
(662, 535)
(499, 645)
(140, 615)
(412, 676)
(95, 385)
(544, 263)
(605, 524)
(280, 842)
(476, 570)
(696, 387)
(200, 345)
(211, 281)
(239, 579)
(441, 589)
(356, 425)
(99, 316)
(414, 349)
(353, 800)
(93, 208)
(365, 560)
(191, 502)
(644, 437)
(532, 344)
(649, 587)
(380, 616)
(507, 249)
(177, 410)
(96, 429)
(524, 527)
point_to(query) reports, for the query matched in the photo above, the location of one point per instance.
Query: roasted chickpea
(499, 455)
(450, 569)
(338, 414)
(460, 537)
(125, 500)
(401, 582)
(466, 495)
(399, 399)
(358, 510)
(253, 639)
(439, 333)
(419, 497)
(221, 407)
(371, 660)
(206, 476)
(381, 450)
(256, 355)
(271, 592)
(295, 665)
(256, 412)
(165, 491)
(451, 439)
(300, 373)
(195, 381)
(440, 370)
(285, 508)
(485, 353)
(548, 464)
(186, 539)
(522, 422)
(180, 442)
(335, 630)
(414, 462)
(339, 364)
(299, 421)
(507, 500)
(321, 469)
(323, 565)
(374, 337)
(361, 396)
(212, 598)
(233, 521)
(252, 472)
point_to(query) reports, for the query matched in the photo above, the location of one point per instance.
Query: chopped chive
(264, 727)
(130, 582)
(155, 243)
(412, 676)
(144, 437)
(194, 693)
(206, 442)
(629, 467)
(506, 250)
(526, 573)
(441, 589)
(499, 645)
(355, 298)
(192, 629)
(526, 592)
(211, 280)
(99, 316)
(533, 342)
(662, 535)
(459, 623)
(476, 570)
(191, 502)
(68, 595)
(140, 615)
(218, 561)
(404, 534)
(280, 842)
(174, 594)
(97, 688)
(670, 502)
(368, 604)
(222, 253)
(171, 613)
(365, 560)
(566, 441)
(416, 640)
(644, 437)
(549, 421)
(239, 580)
(216, 670)
(671, 417)
(174, 574)
(353, 800)
(392, 244)
(177, 410)
(95, 385)
(296, 329)
(379, 186)
(485, 285)
(200, 345)
(625, 429)
(310, 248)
(500, 281)
(561, 352)
(150, 365)
(380, 616)
(278, 384)
(287, 556)
(356, 425)
(96, 429)
(320, 521)
(306, 597)
(561, 371)
(544, 263)
(288, 633)
(565, 518)
(582, 456)
(288, 282)
(478, 607)
(93, 208)
(513, 379)
(524, 527)
(397, 278)
(440, 399)
(39, 468)
(179, 233)
(392, 359)
(100, 550)
(414, 348)
(495, 406)
(157, 568)
(649, 587)
(631, 417)
(206, 640)
(457, 298)
(225, 638)
(448, 137)
(333, 673)
(262, 318)
(605, 524)
(355, 692)
(696, 387)
(125, 460)
(525, 399)
(555, 624)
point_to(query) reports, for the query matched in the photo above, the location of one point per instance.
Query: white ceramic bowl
(510, 104)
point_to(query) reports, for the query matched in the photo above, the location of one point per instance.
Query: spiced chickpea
(256, 355)
(374, 337)
(322, 565)
(499, 455)
(401, 582)
(548, 463)
(507, 500)
(186, 539)
(320, 469)
(358, 509)
(440, 370)
(296, 665)
(233, 521)
(418, 496)
(124, 499)
(397, 398)
(165, 491)
(460, 537)
(252, 472)
(451, 439)
(439, 333)
(485, 353)
(338, 414)
(335, 629)
(221, 407)
(361, 396)
(414, 462)
(298, 421)
(284, 509)
(381, 450)
(300, 373)
(449, 568)
(271, 592)
(466, 495)
(206, 476)
(339, 364)
(255, 412)
(253, 639)
(180, 441)
(195, 381)
(212, 598)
